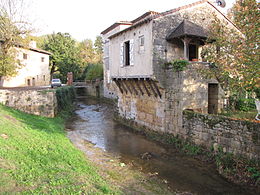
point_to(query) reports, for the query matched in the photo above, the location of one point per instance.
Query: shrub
(94, 71)
(65, 97)
(244, 104)
(177, 65)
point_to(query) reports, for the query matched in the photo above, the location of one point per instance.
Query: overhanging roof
(187, 29)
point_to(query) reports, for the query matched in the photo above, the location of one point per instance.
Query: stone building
(135, 53)
(34, 70)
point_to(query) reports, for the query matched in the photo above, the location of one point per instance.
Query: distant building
(134, 57)
(35, 70)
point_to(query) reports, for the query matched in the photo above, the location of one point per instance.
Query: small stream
(94, 123)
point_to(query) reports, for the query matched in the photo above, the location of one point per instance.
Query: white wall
(33, 67)
(142, 58)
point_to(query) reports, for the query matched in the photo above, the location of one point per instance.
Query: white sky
(86, 19)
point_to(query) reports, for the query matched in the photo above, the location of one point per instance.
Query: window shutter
(122, 54)
(131, 52)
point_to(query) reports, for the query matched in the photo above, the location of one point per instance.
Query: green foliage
(8, 62)
(177, 65)
(65, 97)
(65, 55)
(94, 71)
(225, 160)
(12, 32)
(192, 149)
(244, 104)
(235, 52)
(255, 174)
(38, 158)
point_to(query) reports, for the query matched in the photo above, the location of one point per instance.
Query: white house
(35, 68)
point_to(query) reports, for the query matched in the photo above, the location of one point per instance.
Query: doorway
(28, 82)
(33, 81)
(213, 98)
(193, 52)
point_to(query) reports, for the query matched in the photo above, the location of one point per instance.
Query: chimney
(33, 44)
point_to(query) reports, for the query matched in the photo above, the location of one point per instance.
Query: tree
(98, 45)
(13, 29)
(95, 71)
(234, 53)
(65, 55)
(87, 52)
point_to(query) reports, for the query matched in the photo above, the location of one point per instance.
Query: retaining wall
(38, 102)
(235, 136)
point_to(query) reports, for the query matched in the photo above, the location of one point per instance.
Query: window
(141, 44)
(127, 53)
(25, 56)
(141, 38)
(42, 59)
(43, 77)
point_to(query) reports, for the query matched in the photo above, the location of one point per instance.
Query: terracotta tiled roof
(32, 49)
(145, 18)
(145, 15)
(115, 25)
(40, 51)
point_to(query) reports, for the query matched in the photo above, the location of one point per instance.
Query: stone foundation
(37, 102)
(234, 136)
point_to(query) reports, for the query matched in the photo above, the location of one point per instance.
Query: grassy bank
(36, 157)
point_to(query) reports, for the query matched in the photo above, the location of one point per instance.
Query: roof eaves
(115, 25)
(131, 27)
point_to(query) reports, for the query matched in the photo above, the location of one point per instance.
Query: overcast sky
(86, 19)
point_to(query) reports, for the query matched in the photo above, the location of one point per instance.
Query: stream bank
(93, 128)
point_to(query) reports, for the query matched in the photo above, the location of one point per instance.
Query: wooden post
(139, 87)
(186, 42)
(128, 88)
(119, 86)
(147, 91)
(151, 86)
(156, 88)
(133, 86)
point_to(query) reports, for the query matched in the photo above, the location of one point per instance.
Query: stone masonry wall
(237, 137)
(142, 105)
(146, 111)
(38, 102)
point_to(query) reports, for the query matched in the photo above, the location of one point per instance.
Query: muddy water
(94, 123)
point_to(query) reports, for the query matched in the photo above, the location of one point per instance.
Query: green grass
(38, 158)
(250, 115)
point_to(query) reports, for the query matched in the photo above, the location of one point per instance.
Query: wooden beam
(138, 86)
(122, 84)
(151, 86)
(147, 91)
(156, 88)
(133, 86)
(119, 86)
(128, 88)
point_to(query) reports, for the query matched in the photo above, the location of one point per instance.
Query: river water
(94, 123)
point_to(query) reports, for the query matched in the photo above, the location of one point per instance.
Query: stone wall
(95, 89)
(38, 102)
(144, 110)
(235, 136)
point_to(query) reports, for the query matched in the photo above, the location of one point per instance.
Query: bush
(244, 104)
(65, 97)
(177, 65)
(94, 71)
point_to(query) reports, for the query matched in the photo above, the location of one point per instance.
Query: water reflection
(94, 123)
